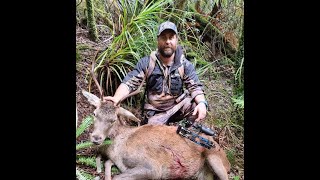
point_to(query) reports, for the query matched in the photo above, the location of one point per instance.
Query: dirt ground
(84, 108)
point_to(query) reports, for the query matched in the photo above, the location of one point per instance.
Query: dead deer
(151, 151)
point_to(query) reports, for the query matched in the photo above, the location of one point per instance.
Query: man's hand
(121, 92)
(111, 98)
(201, 110)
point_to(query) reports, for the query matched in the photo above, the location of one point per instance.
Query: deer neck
(116, 129)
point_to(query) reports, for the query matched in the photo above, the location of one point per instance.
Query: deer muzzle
(96, 139)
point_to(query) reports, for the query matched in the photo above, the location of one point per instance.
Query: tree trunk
(93, 34)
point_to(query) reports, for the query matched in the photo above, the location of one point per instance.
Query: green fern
(84, 125)
(87, 144)
(82, 175)
(236, 178)
(107, 142)
(139, 23)
(84, 145)
(238, 101)
(88, 161)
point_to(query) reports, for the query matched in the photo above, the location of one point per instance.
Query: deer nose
(96, 139)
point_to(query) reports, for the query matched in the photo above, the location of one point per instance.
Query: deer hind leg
(134, 174)
(218, 167)
(205, 173)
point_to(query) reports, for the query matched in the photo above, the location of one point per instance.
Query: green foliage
(83, 159)
(78, 57)
(82, 175)
(84, 145)
(88, 144)
(231, 156)
(115, 170)
(82, 46)
(84, 125)
(138, 23)
(236, 178)
(106, 142)
(239, 73)
(238, 101)
(88, 161)
(79, 49)
(196, 52)
(239, 60)
(81, 10)
(238, 98)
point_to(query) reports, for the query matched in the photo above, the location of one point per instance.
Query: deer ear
(127, 114)
(93, 99)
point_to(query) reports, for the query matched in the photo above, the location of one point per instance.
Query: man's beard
(166, 53)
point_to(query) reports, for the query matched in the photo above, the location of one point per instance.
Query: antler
(94, 77)
(134, 92)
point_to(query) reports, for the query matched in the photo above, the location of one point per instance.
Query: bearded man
(172, 85)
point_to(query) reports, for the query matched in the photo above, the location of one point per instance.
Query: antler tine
(94, 76)
(134, 92)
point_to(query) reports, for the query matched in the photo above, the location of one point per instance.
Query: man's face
(167, 43)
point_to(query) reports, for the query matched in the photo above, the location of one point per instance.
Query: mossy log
(206, 24)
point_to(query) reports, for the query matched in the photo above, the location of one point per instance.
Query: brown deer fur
(152, 151)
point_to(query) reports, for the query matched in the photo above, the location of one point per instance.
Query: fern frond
(82, 175)
(84, 125)
(88, 161)
(238, 101)
(107, 142)
(84, 145)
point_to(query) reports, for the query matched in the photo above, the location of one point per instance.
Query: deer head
(106, 114)
(106, 117)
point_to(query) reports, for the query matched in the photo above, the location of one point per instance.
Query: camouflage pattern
(165, 84)
(167, 25)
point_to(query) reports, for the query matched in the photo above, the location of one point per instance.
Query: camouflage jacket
(165, 85)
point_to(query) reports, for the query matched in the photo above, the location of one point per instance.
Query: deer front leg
(98, 163)
(135, 173)
(107, 171)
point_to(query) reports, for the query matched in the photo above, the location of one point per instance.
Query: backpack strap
(150, 68)
(181, 68)
(152, 63)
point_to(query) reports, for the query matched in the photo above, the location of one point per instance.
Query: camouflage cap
(167, 25)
